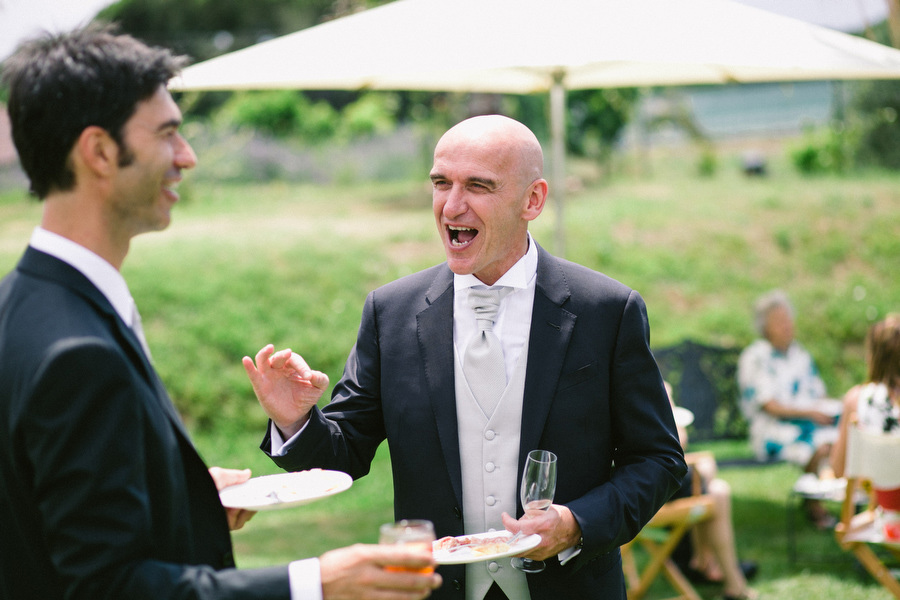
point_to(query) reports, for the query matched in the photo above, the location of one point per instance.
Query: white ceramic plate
(463, 556)
(273, 492)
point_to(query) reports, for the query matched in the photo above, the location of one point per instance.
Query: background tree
(876, 105)
(206, 28)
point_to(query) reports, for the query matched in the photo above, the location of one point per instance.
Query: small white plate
(465, 555)
(284, 490)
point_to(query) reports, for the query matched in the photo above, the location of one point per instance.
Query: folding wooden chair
(661, 536)
(872, 459)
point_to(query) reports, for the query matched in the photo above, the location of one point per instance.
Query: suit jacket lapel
(42, 265)
(551, 330)
(435, 336)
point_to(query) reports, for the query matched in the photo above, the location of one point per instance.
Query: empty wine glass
(538, 489)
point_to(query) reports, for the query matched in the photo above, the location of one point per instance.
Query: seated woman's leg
(715, 550)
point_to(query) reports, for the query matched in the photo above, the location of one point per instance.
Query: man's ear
(537, 197)
(96, 151)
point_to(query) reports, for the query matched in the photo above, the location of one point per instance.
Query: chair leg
(877, 569)
(679, 581)
(659, 554)
(629, 566)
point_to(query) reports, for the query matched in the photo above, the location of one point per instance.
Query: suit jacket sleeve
(648, 462)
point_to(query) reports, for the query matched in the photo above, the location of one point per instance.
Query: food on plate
(490, 548)
(481, 545)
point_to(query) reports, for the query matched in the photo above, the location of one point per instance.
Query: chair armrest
(693, 509)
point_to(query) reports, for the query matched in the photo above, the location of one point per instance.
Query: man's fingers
(281, 358)
(319, 379)
(226, 477)
(262, 357)
(250, 368)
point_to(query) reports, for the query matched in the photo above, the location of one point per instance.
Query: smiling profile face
(153, 156)
(486, 187)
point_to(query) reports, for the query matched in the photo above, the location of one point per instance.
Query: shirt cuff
(280, 447)
(305, 579)
(568, 554)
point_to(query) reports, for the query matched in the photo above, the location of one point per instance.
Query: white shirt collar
(519, 275)
(103, 275)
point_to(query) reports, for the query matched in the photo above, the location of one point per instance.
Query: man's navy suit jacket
(103, 495)
(593, 395)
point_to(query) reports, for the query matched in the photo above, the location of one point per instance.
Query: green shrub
(371, 114)
(707, 164)
(273, 113)
(281, 114)
(823, 151)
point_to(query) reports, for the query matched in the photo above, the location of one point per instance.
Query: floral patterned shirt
(766, 374)
(875, 411)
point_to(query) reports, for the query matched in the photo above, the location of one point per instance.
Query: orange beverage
(415, 533)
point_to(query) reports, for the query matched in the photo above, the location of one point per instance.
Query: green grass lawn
(247, 264)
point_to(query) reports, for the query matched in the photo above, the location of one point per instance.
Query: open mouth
(461, 236)
(171, 189)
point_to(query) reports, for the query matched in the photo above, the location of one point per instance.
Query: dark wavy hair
(60, 84)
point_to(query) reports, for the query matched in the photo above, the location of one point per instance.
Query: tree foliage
(877, 106)
(206, 28)
(874, 113)
(596, 118)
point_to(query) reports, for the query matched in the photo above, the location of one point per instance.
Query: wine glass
(538, 489)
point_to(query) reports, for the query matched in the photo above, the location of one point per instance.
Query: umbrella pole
(558, 177)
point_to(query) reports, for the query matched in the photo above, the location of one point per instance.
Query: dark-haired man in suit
(576, 377)
(103, 493)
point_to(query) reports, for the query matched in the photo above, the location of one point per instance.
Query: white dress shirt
(305, 578)
(103, 275)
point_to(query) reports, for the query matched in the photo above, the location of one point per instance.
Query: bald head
(487, 186)
(512, 143)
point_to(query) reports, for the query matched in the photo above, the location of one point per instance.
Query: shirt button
(493, 567)
(490, 501)
(489, 434)
(490, 467)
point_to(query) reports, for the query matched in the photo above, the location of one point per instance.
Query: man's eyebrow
(170, 124)
(491, 183)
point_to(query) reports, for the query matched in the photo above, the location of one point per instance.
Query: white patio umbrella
(529, 46)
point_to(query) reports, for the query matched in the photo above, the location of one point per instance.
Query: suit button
(489, 434)
(457, 585)
(457, 512)
(490, 501)
(490, 467)
(493, 567)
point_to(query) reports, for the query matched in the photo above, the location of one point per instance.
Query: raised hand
(287, 389)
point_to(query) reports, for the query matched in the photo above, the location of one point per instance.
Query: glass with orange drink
(411, 532)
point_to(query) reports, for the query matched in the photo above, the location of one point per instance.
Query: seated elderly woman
(783, 396)
(874, 406)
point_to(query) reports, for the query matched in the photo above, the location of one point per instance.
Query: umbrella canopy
(523, 46)
(528, 46)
